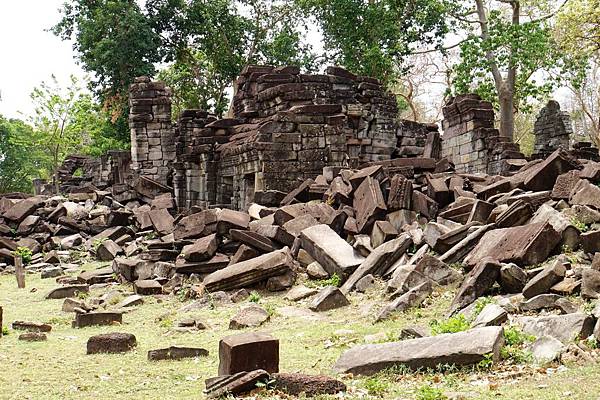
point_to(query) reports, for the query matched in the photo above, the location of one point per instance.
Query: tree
(373, 37)
(578, 27)
(209, 42)
(509, 56)
(53, 132)
(18, 158)
(113, 40)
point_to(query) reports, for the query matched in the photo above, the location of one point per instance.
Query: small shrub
(487, 363)
(427, 392)
(97, 242)
(82, 295)
(267, 384)
(513, 336)
(514, 339)
(591, 342)
(457, 266)
(480, 305)
(454, 324)
(166, 323)
(254, 297)
(5, 330)
(579, 225)
(333, 280)
(376, 386)
(25, 253)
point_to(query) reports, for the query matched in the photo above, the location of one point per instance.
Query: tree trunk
(507, 114)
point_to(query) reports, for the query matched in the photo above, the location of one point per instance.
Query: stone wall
(152, 134)
(472, 143)
(552, 130)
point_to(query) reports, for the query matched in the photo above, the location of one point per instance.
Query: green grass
(309, 343)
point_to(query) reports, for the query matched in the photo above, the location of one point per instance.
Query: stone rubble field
(403, 279)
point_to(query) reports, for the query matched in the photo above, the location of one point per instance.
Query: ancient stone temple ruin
(552, 130)
(285, 127)
(472, 143)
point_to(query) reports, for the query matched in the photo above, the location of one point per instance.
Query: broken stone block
(463, 348)
(590, 241)
(51, 272)
(248, 352)
(566, 328)
(331, 251)
(296, 225)
(247, 273)
(491, 315)
(424, 205)
(413, 298)
(67, 291)
(512, 278)
(438, 190)
(230, 219)
(203, 249)
(100, 275)
(438, 271)
(548, 277)
(382, 232)
(253, 239)
(481, 211)
(368, 204)
(97, 318)
(590, 284)
(400, 197)
(108, 250)
(524, 245)
(299, 292)
(243, 253)
(162, 221)
(564, 185)
(307, 385)
(33, 337)
(249, 317)
(233, 385)
(546, 349)
(476, 284)
(365, 283)
(413, 332)
(328, 298)
(281, 282)
(176, 353)
(539, 302)
(147, 287)
(379, 261)
(543, 176)
(23, 208)
(316, 271)
(585, 194)
(31, 326)
(111, 343)
(70, 305)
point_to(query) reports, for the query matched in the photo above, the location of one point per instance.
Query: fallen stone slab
(162, 221)
(299, 292)
(379, 261)
(147, 287)
(232, 385)
(512, 278)
(67, 291)
(111, 343)
(71, 305)
(369, 204)
(33, 337)
(31, 326)
(330, 250)
(566, 328)
(590, 241)
(176, 353)
(249, 317)
(548, 277)
(543, 176)
(328, 298)
(307, 385)
(413, 298)
(202, 249)
(253, 239)
(463, 348)
(590, 284)
(476, 284)
(523, 245)
(23, 208)
(540, 302)
(100, 275)
(546, 349)
(97, 318)
(249, 272)
(585, 194)
(247, 352)
(491, 315)
(108, 250)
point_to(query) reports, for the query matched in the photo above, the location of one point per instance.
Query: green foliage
(455, 324)
(513, 336)
(372, 37)
(5, 330)
(581, 226)
(376, 386)
(96, 243)
(254, 297)
(514, 341)
(267, 384)
(487, 363)
(113, 40)
(480, 304)
(18, 161)
(25, 253)
(426, 392)
(333, 280)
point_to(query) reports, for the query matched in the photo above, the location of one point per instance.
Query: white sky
(29, 54)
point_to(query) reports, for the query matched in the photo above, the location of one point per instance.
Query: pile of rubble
(413, 223)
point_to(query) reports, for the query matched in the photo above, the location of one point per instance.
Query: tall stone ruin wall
(285, 127)
(472, 143)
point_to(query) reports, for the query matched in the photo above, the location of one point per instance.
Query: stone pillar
(152, 134)
(552, 130)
